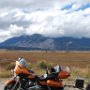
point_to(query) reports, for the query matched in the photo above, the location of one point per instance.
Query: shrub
(7, 65)
(30, 65)
(5, 73)
(10, 66)
(43, 64)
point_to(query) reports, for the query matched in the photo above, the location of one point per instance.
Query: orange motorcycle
(25, 79)
(54, 80)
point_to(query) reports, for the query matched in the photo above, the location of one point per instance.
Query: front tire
(11, 85)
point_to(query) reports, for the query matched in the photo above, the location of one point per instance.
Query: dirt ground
(1, 85)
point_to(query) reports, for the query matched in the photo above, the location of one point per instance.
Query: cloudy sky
(53, 18)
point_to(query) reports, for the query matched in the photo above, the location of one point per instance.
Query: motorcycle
(25, 79)
(54, 80)
(22, 80)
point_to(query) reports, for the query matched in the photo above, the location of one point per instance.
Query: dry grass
(5, 73)
(79, 62)
(5, 69)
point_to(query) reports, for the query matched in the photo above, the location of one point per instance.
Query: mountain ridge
(39, 42)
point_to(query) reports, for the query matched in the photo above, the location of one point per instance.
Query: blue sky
(85, 6)
(53, 18)
(82, 7)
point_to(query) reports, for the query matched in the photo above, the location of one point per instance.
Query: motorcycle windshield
(60, 68)
(55, 69)
(67, 69)
(22, 62)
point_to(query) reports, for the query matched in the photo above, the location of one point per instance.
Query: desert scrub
(80, 72)
(5, 69)
(29, 65)
(7, 65)
(5, 73)
(10, 66)
(40, 67)
(43, 64)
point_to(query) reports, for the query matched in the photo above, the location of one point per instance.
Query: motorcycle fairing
(22, 70)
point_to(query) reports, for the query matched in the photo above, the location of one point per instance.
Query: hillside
(39, 42)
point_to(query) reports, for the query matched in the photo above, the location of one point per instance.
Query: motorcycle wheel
(11, 85)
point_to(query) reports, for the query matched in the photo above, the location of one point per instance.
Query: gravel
(1, 85)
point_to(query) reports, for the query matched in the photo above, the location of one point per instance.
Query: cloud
(56, 23)
(31, 4)
(12, 31)
(53, 18)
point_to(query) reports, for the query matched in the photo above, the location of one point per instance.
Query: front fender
(9, 81)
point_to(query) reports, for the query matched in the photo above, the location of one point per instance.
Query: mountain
(39, 42)
(34, 42)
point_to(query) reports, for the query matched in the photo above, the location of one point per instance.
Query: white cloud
(20, 17)
(3, 35)
(56, 23)
(14, 30)
(10, 32)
